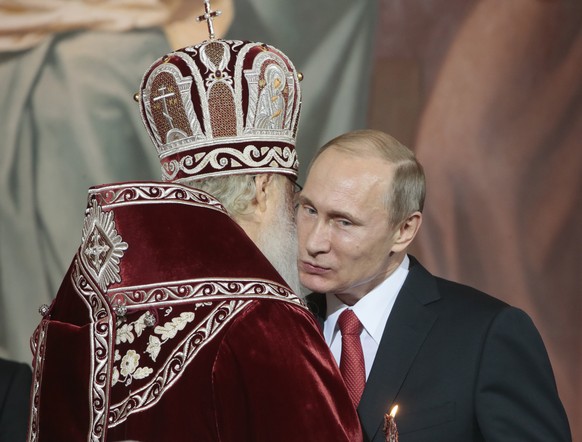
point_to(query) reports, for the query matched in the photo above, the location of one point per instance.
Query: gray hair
(408, 189)
(235, 192)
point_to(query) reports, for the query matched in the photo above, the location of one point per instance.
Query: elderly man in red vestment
(177, 320)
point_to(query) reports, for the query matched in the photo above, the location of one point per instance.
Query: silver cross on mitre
(208, 15)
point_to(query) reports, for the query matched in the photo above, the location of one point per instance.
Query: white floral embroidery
(130, 369)
(170, 329)
(142, 372)
(140, 325)
(124, 334)
(129, 362)
(115, 376)
(154, 347)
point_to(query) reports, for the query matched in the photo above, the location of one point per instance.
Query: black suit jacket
(15, 379)
(462, 366)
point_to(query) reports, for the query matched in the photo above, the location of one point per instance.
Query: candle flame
(394, 411)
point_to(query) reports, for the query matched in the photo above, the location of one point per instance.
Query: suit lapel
(407, 328)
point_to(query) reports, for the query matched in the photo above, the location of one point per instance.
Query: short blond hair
(408, 189)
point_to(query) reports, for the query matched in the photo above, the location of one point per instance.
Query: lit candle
(390, 429)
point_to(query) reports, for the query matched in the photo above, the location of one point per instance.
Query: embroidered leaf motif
(170, 329)
(154, 347)
(142, 372)
(129, 368)
(140, 325)
(124, 334)
(115, 376)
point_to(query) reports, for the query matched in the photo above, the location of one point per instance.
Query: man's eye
(310, 210)
(344, 223)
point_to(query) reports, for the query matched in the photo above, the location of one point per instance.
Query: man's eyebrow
(334, 214)
(304, 200)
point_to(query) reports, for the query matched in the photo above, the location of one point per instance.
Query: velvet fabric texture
(171, 325)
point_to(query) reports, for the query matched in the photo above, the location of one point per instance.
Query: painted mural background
(488, 93)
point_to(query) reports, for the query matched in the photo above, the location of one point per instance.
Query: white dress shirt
(372, 310)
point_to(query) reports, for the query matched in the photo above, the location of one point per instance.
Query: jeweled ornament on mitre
(222, 107)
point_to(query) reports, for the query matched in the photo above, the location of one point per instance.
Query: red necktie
(352, 358)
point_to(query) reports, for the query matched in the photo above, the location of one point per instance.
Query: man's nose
(318, 239)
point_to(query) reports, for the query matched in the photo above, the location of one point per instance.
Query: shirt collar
(373, 309)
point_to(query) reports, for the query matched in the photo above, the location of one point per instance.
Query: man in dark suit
(15, 381)
(461, 365)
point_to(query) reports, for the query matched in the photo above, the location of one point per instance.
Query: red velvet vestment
(170, 325)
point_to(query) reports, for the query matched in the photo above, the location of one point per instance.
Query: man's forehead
(330, 190)
(363, 152)
(338, 164)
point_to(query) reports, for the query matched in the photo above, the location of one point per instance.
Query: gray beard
(278, 242)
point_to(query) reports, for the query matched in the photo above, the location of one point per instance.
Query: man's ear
(253, 219)
(406, 232)
(262, 194)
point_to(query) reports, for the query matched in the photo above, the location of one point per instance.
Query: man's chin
(312, 284)
(304, 291)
